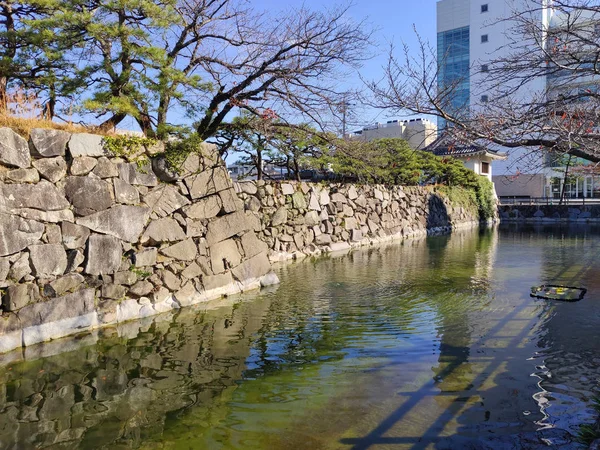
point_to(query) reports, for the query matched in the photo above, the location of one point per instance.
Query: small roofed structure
(475, 157)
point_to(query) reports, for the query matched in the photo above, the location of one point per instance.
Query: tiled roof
(442, 147)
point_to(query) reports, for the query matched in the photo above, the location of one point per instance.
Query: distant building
(477, 158)
(419, 133)
(471, 34)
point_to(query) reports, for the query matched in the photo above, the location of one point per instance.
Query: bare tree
(542, 84)
(273, 66)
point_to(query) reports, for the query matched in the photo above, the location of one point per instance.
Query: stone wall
(89, 239)
(549, 213)
(301, 219)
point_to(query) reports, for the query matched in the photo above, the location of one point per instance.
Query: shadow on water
(488, 401)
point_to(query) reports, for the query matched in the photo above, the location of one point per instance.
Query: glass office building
(453, 69)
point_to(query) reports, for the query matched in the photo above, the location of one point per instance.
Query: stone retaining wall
(301, 219)
(549, 213)
(88, 239)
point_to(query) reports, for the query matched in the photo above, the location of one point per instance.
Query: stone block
(182, 251)
(43, 196)
(125, 193)
(14, 150)
(48, 260)
(126, 278)
(226, 226)
(204, 208)
(287, 189)
(187, 295)
(209, 182)
(20, 268)
(170, 280)
(85, 144)
(323, 239)
(19, 296)
(79, 303)
(103, 255)
(121, 221)
(165, 200)
(10, 330)
(62, 285)
(83, 165)
(53, 234)
(356, 235)
(255, 267)
(58, 328)
(114, 291)
(141, 288)
(105, 168)
(298, 200)
(47, 143)
(249, 187)
(74, 236)
(211, 282)
(192, 271)
(74, 259)
(163, 230)
(145, 257)
(350, 223)
(142, 175)
(224, 255)
(280, 217)
(252, 245)
(51, 169)
(23, 175)
(230, 202)
(88, 194)
(312, 218)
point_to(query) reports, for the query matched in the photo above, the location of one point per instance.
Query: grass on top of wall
(24, 112)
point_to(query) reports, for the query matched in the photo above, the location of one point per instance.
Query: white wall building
(419, 133)
(471, 34)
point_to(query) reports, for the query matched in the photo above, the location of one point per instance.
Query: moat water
(433, 343)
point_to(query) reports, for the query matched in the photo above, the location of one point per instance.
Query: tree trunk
(259, 168)
(3, 95)
(111, 123)
(564, 185)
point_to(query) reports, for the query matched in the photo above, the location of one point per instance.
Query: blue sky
(394, 22)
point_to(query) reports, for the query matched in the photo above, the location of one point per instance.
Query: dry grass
(25, 112)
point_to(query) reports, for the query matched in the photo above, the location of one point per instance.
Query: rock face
(103, 255)
(47, 143)
(85, 144)
(88, 195)
(17, 233)
(48, 260)
(14, 150)
(124, 222)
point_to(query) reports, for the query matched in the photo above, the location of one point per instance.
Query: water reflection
(433, 343)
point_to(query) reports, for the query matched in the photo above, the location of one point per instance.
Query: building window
(485, 68)
(484, 8)
(484, 99)
(485, 168)
(484, 38)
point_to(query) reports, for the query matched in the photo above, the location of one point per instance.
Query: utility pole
(345, 105)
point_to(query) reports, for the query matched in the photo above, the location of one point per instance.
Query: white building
(419, 133)
(470, 35)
